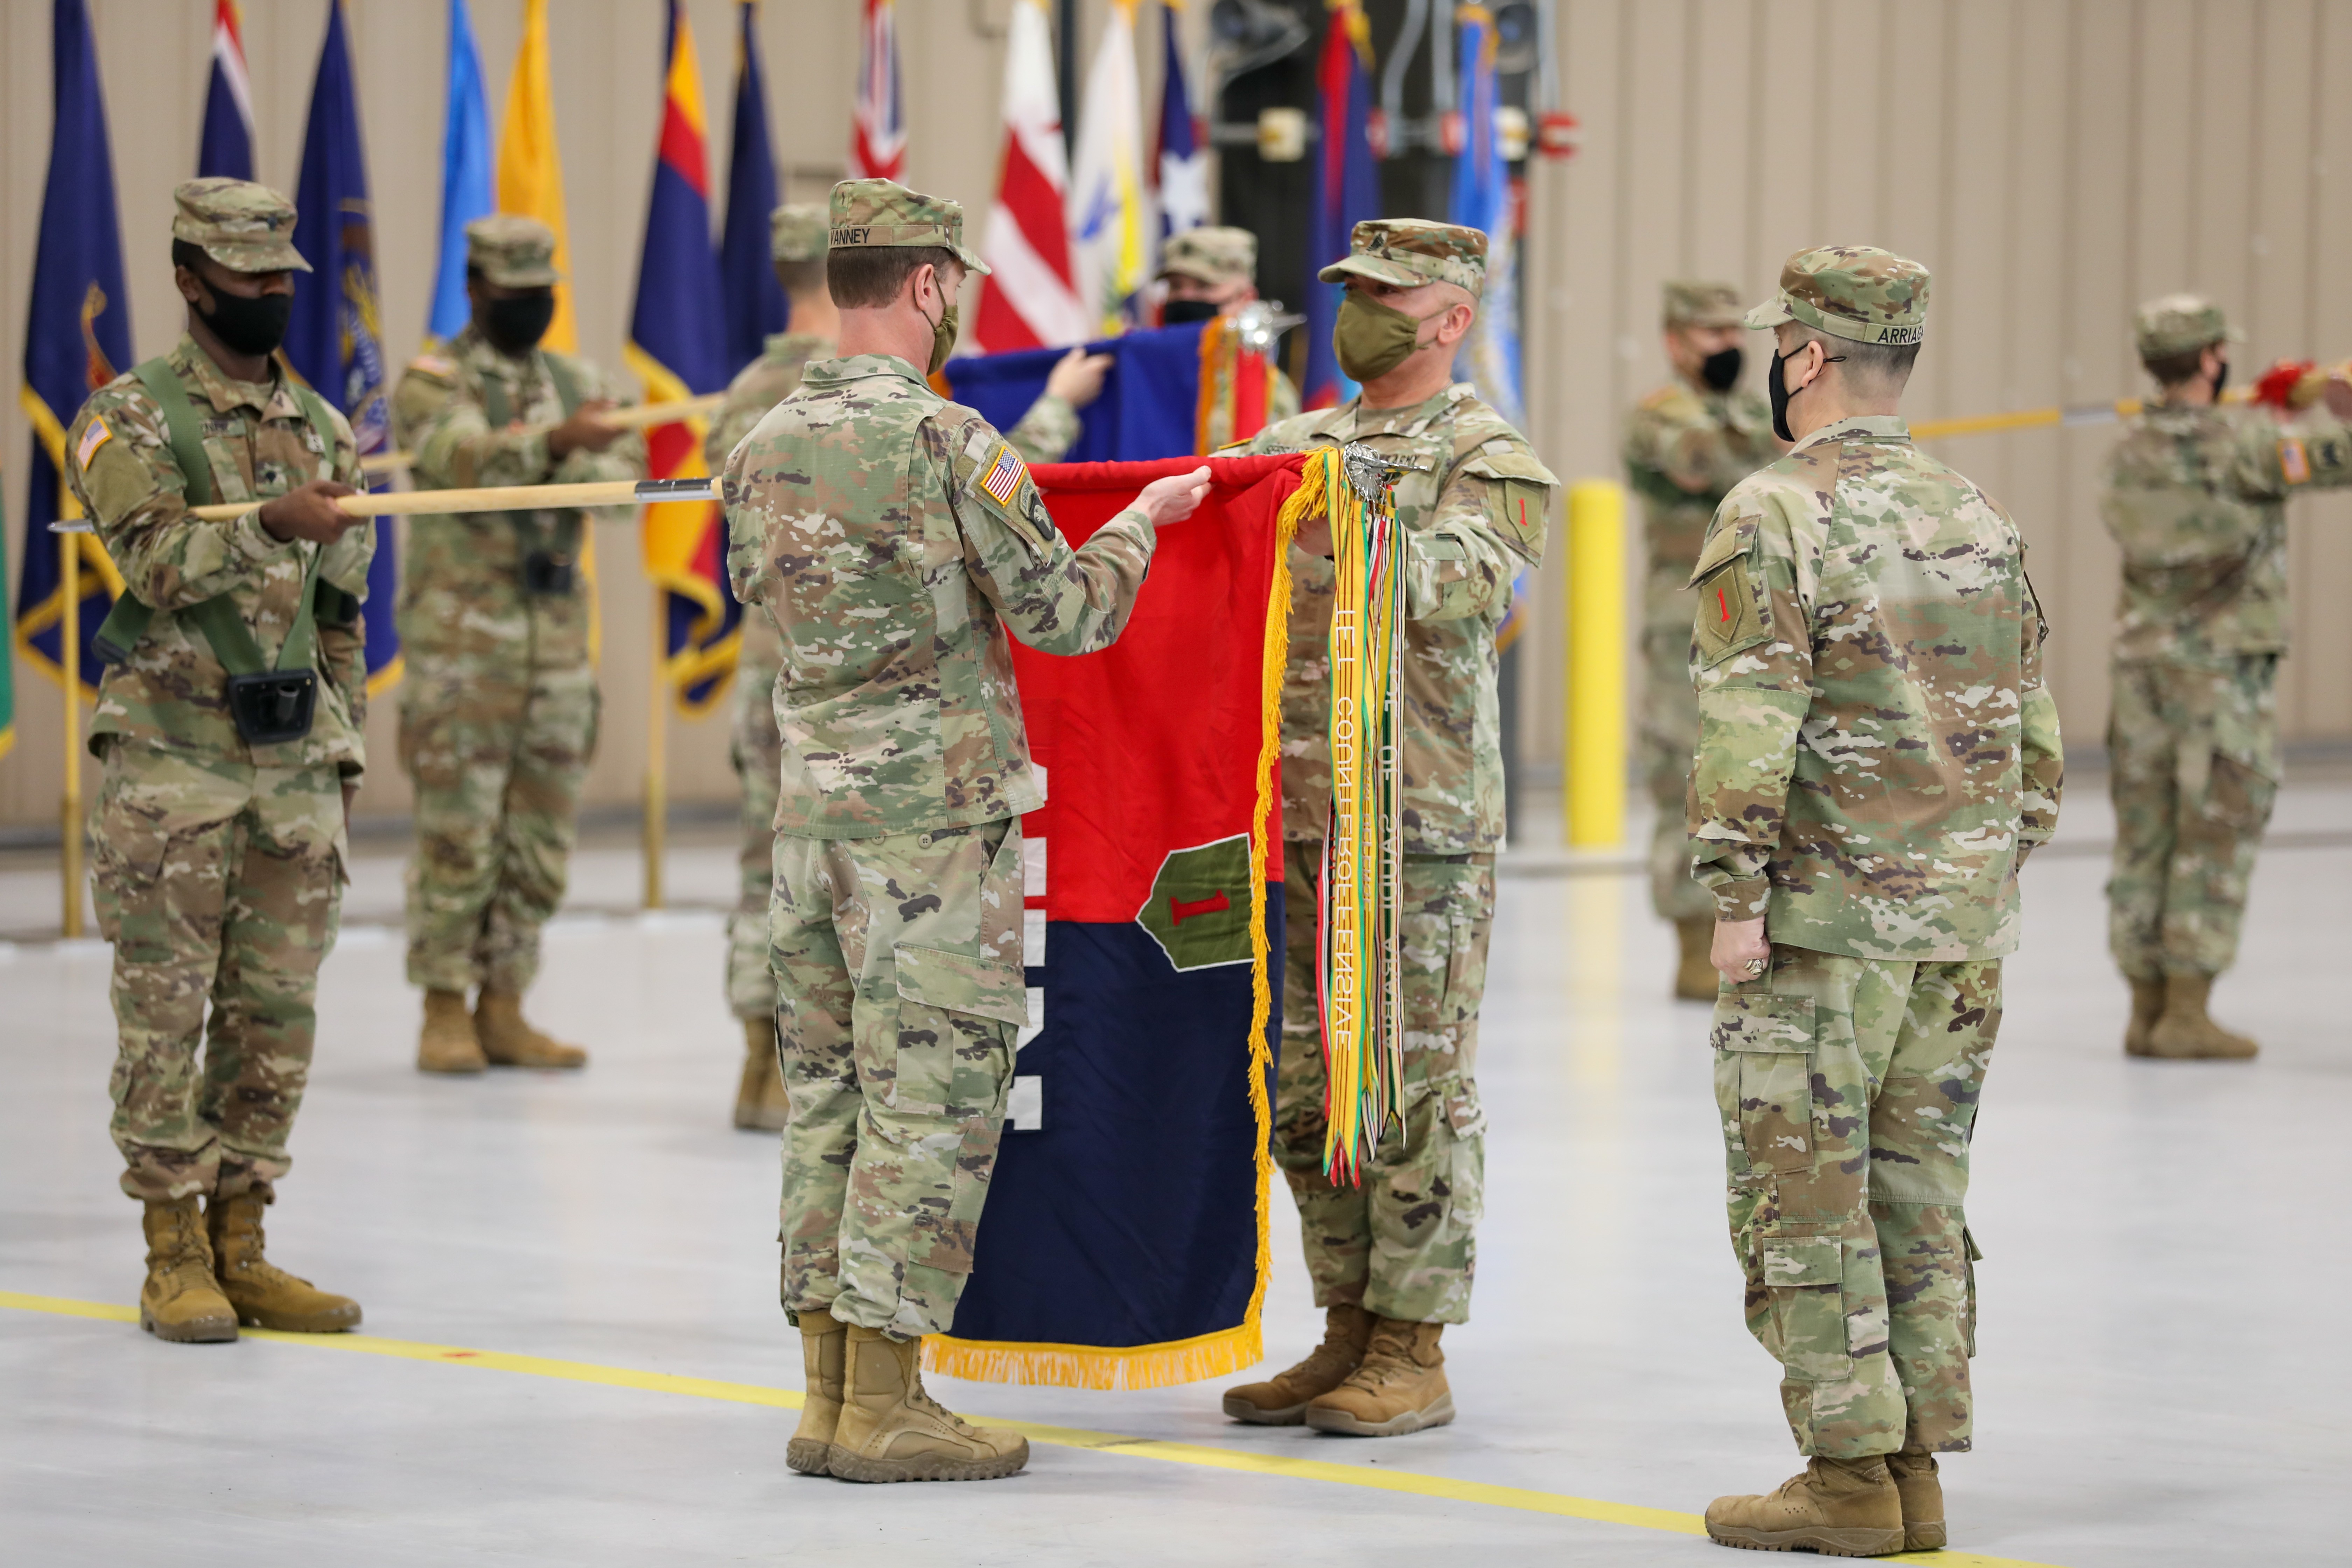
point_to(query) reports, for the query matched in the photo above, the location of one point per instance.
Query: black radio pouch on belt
(549, 565)
(271, 706)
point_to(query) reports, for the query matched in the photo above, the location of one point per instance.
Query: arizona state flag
(76, 339)
(1124, 1241)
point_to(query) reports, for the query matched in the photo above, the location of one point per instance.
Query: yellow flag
(530, 170)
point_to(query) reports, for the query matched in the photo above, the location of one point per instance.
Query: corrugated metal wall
(2053, 161)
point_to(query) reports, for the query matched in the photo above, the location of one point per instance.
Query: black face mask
(1776, 390)
(1720, 370)
(514, 326)
(1185, 312)
(2221, 380)
(247, 324)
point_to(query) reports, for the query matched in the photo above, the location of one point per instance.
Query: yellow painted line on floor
(1376, 1477)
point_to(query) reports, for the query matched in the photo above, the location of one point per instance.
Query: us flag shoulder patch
(2293, 462)
(93, 435)
(1005, 475)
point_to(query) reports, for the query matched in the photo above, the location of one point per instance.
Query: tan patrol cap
(2178, 323)
(244, 227)
(1857, 292)
(1211, 255)
(512, 251)
(1689, 302)
(1410, 251)
(886, 212)
(797, 232)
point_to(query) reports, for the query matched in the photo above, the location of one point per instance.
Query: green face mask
(943, 341)
(1372, 339)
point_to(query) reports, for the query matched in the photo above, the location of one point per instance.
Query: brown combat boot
(1696, 979)
(760, 1102)
(824, 1348)
(2185, 1032)
(509, 1042)
(1838, 1507)
(1923, 1500)
(2147, 1006)
(1283, 1400)
(265, 1296)
(890, 1430)
(447, 1044)
(181, 1302)
(1399, 1387)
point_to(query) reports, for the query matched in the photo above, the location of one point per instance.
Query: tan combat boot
(447, 1044)
(825, 1350)
(1696, 979)
(2185, 1032)
(1923, 1500)
(890, 1430)
(265, 1296)
(509, 1042)
(181, 1302)
(1400, 1388)
(2147, 1006)
(1283, 1400)
(1838, 1507)
(760, 1102)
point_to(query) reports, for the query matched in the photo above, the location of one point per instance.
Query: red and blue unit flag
(878, 145)
(225, 147)
(1347, 188)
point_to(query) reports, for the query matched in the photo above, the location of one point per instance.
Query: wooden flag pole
(635, 416)
(656, 777)
(69, 823)
(487, 498)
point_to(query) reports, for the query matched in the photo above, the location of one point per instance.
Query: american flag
(878, 144)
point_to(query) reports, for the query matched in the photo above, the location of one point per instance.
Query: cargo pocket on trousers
(1968, 1309)
(1806, 1328)
(1763, 1082)
(957, 1011)
(126, 861)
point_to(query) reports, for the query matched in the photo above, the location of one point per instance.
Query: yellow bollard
(1594, 775)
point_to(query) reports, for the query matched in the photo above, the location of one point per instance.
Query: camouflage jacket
(1684, 449)
(1475, 513)
(2197, 499)
(172, 694)
(461, 588)
(1878, 752)
(894, 536)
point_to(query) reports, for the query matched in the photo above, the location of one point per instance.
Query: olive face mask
(1372, 339)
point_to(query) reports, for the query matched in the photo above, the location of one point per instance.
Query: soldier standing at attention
(1876, 756)
(2195, 496)
(1210, 272)
(1686, 444)
(1391, 1260)
(796, 237)
(228, 730)
(894, 537)
(498, 714)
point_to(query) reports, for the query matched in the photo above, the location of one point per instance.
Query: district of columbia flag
(1347, 188)
(1480, 199)
(754, 300)
(531, 170)
(225, 146)
(76, 339)
(1029, 299)
(1107, 187)
(677, 346)
(877, 142)
(1178, 162)
(464, 177)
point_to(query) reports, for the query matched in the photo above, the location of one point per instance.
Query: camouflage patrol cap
(512, 251)
(1853, 291)
(1689, 302)
(244, 227)
(2178, 323)
(886, 212)
(797, 232)
(1410, 251)
(1213, 255)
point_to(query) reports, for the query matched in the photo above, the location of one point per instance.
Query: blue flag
(1482, 200)
(465, 192)
(335, 340)
(1347, 190)
(747, 278)
(1179, 165)
(1151, 400)
(76, 339)
(225, 148)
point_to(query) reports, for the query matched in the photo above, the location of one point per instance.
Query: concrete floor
(2163, 1377)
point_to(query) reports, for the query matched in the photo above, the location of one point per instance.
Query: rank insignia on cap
(2293, 462)
(92, 438)
(1003, 478)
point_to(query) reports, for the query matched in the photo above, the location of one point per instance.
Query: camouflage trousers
(757, 750)
(497, 757)
(1404, 1244)
(214, 879)
(1848, 1090)
(898, 985)
(2194, 769)
(1668, 730)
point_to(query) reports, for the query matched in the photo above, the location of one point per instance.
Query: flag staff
(656, 748)
(69, 807)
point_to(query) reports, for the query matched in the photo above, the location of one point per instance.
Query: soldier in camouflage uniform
(1210, 272)
(1876, 756)
(797, 236)
(1392, 1259)
(497, 713)
(220, 821)
(1686, 444)
(897, 922)
(2196, 497)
